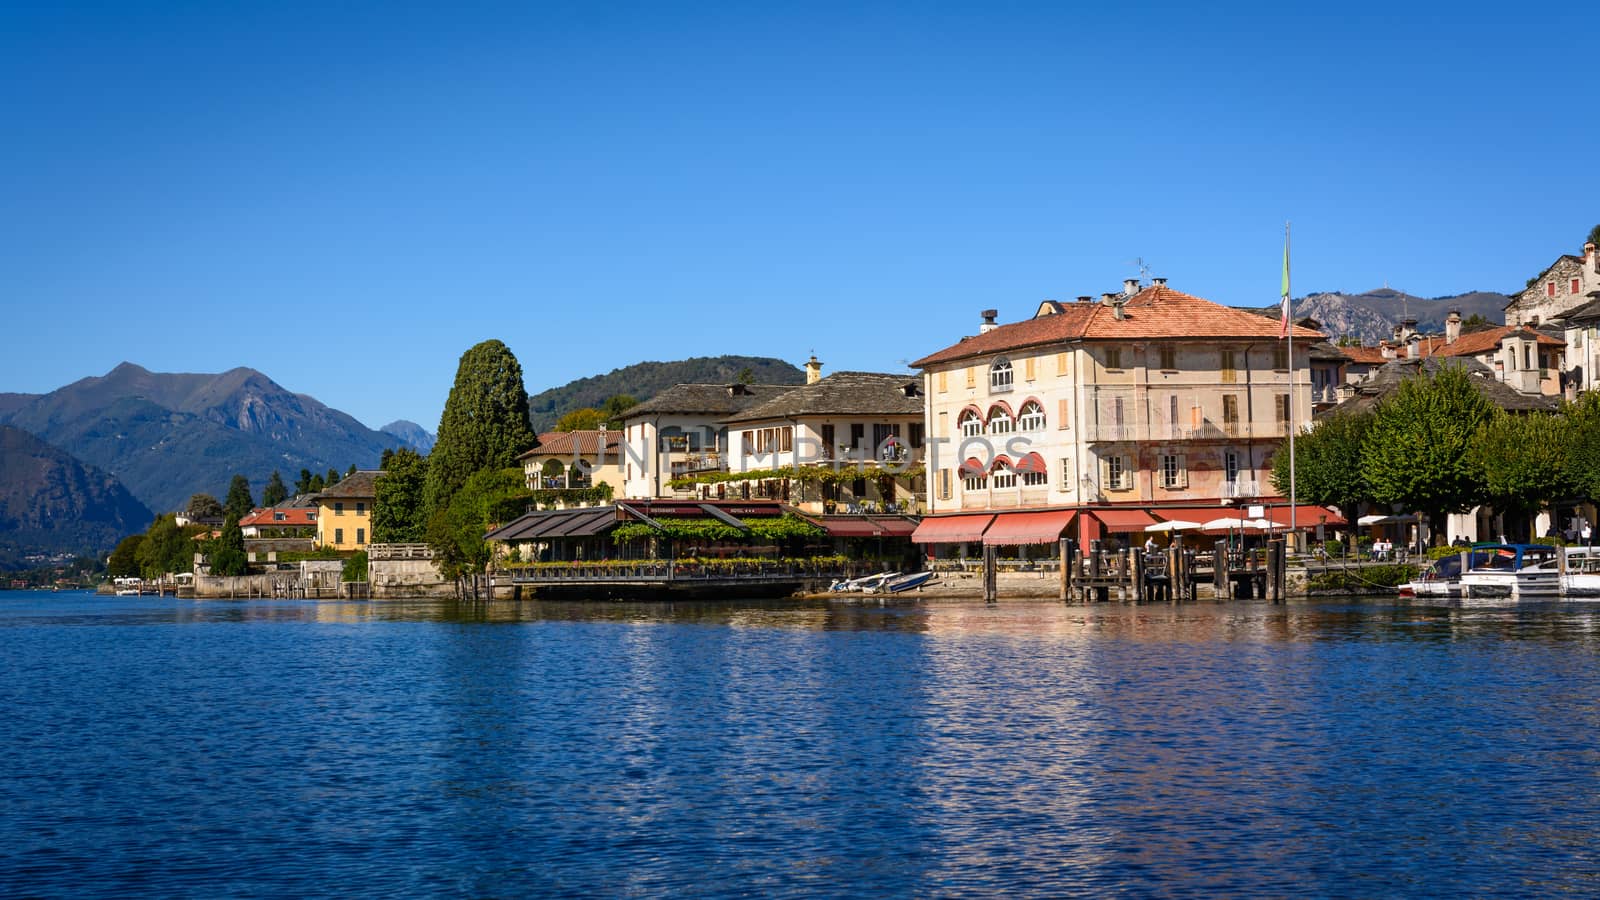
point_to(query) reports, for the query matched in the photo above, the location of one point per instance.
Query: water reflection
(796, 748)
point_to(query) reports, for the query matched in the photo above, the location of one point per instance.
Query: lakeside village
(1092, 431)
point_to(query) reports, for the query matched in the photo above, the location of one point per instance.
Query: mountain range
(646, 379)
(167, 436)
(1372, 316)
(51, 502)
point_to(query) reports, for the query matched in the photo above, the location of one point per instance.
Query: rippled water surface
(157, 747)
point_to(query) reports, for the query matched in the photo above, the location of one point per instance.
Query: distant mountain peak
(417, 437)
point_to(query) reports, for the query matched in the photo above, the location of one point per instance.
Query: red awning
(1028, 528)
(1305, 516)
(972, 467)
(952, 529)
(1119, 521)
(1032, 462)
(864, 526)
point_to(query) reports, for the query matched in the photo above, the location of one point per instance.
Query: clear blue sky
(348, 196)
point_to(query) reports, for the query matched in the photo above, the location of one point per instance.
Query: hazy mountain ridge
(1373, 315)
(644, 380)
(413, 435)
(53, 502)
(167, 436)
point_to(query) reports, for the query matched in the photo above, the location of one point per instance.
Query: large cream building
(1146, 404)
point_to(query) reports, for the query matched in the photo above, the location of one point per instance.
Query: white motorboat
(1513, 572)
(861, 585)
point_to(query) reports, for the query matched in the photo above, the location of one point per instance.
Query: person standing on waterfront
(1586, 534)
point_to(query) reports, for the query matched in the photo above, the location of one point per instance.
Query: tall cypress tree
(485, 421)
(275, 492)
(398, 516)
(239, 502)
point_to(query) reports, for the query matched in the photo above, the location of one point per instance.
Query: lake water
(156, 747)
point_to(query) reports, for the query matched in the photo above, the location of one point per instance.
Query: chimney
(1107, 299)
(1130, 286)
(1408, 329)
(1116, 311)
(1159, 282)
(1085, 299)
(1590, 258)
(1452, 327)
(1411, 349)
(988, 321)
(813, 370)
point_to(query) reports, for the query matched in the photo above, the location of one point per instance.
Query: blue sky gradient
(348, 198)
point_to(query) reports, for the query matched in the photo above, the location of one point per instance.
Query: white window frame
(1032, 417)
(1002, 377)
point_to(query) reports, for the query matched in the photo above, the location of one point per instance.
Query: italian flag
(1283, 331)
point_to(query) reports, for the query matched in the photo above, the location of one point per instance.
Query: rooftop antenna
(1143, 267)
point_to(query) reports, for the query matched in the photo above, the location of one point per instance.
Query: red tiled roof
(1155, 313)
(267, 516)
(1372, 356)
(1479, 342)
(569, 443)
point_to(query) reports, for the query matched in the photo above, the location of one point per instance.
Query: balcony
(691, 463)
(1241, 489)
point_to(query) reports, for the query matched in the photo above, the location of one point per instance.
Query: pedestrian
(1587, 534)
(1150, 544)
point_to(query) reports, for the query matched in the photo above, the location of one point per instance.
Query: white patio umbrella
(1370, 520)
(1173, 525)
(1226, 523)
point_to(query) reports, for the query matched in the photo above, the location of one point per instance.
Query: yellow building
(344, 512)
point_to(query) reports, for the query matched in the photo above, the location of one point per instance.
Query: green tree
(1523, 463)
(355, 567)
(398, 513)
(331, 479)
(351, 471)
(586, 419)
(615, 406)
(124, 561)
(383, 461)
(302, 485)
(239, 502)
(1594, 235)
(1583, 443)
(275, 492)
(1327, 463)
(203, 506)
(227, 552)
(484, 424)
(488, 498)
(1416, 451)
(315, 485)
(166, 548)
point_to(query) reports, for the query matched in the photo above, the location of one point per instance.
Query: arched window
(1001, 475)
(1000, 421)
(1032, 417)
(973, 475)
(1000, 375)
(971, 423)
(553, 474)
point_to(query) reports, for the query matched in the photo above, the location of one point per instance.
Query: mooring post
(989, 575)
(1137, 573)
(1219, 570)
(1066, 571)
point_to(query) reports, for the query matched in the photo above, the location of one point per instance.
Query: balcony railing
(1241, 488)
(1208, 430)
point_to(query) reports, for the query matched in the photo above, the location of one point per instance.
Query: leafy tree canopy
(302, 485)
(488, 498)
(1327, 462)
(124, 561)
(203, 506)
(398, 513)
(587, 419)
(1416, 450)
(315, 485)
(1594, 235)
(167, 548)
(1523, 461)
(1583, 447)
(484, 424)
(227, 552)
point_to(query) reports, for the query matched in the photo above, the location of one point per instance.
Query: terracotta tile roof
(268, 517)
(1475, 343)
(575, 443)
(1155, 313)
(842, 394)
(1372, 356)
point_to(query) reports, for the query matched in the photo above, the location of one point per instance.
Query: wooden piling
(990, 586)
(1137, 572)
(1066, 570)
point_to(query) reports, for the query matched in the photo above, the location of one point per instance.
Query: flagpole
(1293, 423)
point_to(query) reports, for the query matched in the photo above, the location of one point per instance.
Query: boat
(1581, 580)
(860, 585)
(1512, 572)
(1492, 565)
(905, 582)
